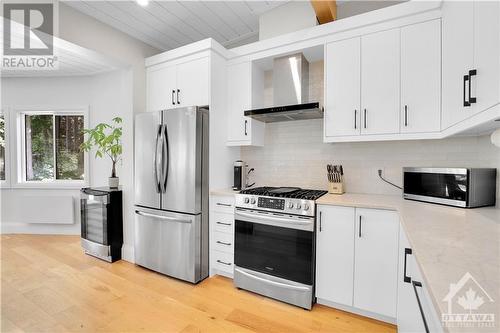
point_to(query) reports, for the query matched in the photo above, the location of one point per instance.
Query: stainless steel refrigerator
(171, 192)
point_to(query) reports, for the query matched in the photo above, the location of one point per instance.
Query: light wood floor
(49, 285)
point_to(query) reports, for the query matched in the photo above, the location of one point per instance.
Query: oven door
(275, 244)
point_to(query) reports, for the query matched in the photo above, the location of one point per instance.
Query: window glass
(69, 137)
(39, 141)
(2, 147)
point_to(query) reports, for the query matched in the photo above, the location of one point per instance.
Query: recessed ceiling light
(143, 3)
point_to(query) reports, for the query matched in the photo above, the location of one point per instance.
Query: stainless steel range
(274, 243)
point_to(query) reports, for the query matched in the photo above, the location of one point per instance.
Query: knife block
(336, 188)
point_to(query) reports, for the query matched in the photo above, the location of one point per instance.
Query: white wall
(90, 33)
(290, 17)
(107, 95)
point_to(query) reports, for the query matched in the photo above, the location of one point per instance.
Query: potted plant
(107, 141)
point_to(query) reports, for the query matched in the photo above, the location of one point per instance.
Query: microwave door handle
(157, 158)
(165, 159)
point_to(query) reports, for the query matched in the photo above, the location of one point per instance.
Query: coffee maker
(241, 176)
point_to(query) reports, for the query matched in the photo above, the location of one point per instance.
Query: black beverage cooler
(102, 222)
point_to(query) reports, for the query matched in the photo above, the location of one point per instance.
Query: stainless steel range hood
(290, 92)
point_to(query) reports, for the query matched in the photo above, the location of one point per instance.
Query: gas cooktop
(285, 192)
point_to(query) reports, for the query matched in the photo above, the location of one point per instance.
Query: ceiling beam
(326, 11)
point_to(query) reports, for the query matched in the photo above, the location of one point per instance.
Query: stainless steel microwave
(460, 187)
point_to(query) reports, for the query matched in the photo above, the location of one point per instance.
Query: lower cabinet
(222, 235)
(412, 316)
(357, 260)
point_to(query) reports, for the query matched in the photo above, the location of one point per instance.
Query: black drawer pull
(406, 278)
(466, 78)
(415, 285)
(223, 204)
(359, 230)
(355, 119)
(228, 224)
(224, 263)
(223, 243)
(472, 73)
(173, 93)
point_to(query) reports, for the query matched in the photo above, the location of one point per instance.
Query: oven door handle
(271, 219)
(279, 284)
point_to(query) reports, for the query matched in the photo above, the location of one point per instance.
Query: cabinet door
(376, 261)
(193, 83)
(409, 319)
(380, 82)
(485, 85)
(421, 77)
(161, 85)
(239, 100)
(335, 254)
(343, 88)
(458, 35)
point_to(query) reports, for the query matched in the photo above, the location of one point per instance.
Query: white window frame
(20, 168)
(5, 183)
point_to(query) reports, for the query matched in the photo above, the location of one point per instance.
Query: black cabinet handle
(365, 118)
(466, 78)
(173, 93)
(223, 204)
(406, 115)
(246, 121)
(406, 278)
(224, 263)
(320, 222)
(472, 73)
(359, 230)
(355, 120)
(223, 243)
(178, 100)
(415, 285)
(223, 223)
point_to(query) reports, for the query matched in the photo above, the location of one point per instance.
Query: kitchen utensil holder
(336, 188)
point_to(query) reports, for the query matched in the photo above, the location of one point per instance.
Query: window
(2, 147)
(51, 144)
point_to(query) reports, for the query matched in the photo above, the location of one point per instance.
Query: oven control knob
(306, 207)
(298, 206)
(247, 200)
(252, 201)
(290, 205)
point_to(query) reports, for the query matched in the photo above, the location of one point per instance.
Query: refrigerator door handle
(157, 160)
(165, 158)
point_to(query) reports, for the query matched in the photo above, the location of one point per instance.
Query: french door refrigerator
(171, 192)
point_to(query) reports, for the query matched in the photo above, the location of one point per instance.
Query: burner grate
(285, 192)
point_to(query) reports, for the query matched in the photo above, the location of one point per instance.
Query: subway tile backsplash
(294, 155)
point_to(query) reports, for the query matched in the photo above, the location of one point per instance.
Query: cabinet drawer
(223, 261)
(223, 204)
(223, 242)
(223, 222)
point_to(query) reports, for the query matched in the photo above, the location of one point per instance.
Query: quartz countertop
(223, 191)
(446, 241)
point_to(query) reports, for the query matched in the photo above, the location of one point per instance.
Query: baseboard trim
(357, 311)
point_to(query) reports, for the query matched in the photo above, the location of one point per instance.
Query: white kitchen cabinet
(410, 318)
(343, 88)
(380, 82)
(376, 261)
(179, 85)
(161, 83)
(471, 43)
(421, 77)
(335, 254)
(242, 130)
(221, 221)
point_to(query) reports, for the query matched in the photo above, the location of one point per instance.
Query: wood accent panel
(326, 11)
(48, 284)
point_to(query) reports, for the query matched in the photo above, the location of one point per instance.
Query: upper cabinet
(421, 77)
(385, 85)
(380, 82)
(241, 83)
(471, 65)
(171, 86)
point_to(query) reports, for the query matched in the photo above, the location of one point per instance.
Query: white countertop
(446, 241)
(223, 191)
